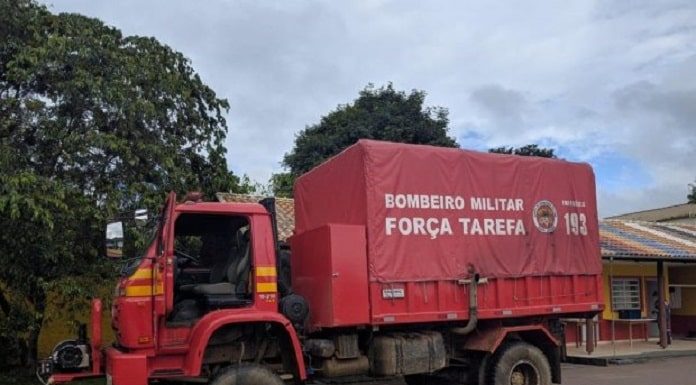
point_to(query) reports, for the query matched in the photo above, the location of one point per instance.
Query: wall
(645, 271)
(684, 318)
(684, 275)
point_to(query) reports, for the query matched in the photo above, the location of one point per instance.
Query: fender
(211, 322)
(488, 340)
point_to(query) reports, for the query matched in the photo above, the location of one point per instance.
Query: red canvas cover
(431, 212)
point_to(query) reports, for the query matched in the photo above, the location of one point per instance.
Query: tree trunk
(33, 348)
(32, 352)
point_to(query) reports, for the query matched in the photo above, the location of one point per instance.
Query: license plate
(109, 380)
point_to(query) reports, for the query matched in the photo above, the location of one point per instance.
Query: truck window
(213, 264)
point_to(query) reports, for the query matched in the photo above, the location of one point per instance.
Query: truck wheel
(519, 363)
(247, 375)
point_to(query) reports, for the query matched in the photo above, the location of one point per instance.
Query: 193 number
(576, 223)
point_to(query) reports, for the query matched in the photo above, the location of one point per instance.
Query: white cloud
(594, 78)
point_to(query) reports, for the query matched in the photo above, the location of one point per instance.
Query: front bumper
(126, 368)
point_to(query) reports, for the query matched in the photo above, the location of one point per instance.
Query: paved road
(667, 371)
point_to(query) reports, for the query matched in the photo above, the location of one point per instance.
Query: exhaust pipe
(473, 283)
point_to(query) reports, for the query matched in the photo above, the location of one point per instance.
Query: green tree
(528, 150)
(91, 123)
(692, 195)
(378, 113)
(281, 184)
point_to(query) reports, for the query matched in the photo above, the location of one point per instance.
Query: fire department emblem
(545, 216)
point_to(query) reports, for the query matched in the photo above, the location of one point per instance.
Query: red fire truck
(440, 265)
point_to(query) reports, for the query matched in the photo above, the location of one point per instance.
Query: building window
(625, 294)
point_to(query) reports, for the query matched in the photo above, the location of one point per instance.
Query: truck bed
(393, 231)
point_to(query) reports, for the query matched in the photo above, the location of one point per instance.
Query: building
(285, 210)
(633, 245)
(638, 257)
(682, 213)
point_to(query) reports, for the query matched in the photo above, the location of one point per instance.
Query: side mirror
(141, 217)
(114, 240)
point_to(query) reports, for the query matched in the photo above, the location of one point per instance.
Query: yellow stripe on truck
(143, 290)
(141, 274)
(266, 287)
(266, 271)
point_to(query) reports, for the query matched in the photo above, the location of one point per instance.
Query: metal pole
(589, 344)
(662, 311)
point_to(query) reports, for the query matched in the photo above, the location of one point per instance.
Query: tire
(247, 375)
(519, 363)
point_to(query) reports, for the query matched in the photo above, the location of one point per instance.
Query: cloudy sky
(612, 83)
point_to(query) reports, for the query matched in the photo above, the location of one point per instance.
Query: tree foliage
(692, 195)
(91, 123)
(378, 113)
(528, 150)
(281, 184)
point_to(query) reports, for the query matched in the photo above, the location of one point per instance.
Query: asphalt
(656, 371)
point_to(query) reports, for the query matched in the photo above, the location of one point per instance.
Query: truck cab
(205, 257)
(206, 282)
(209, 264)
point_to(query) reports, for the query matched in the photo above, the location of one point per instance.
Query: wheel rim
(524, 373)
